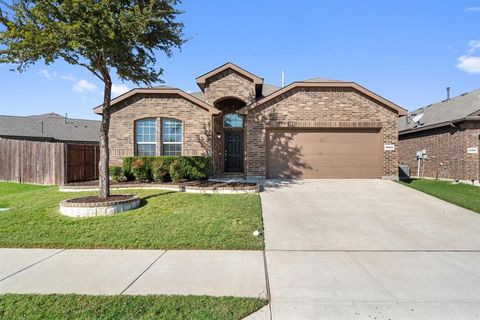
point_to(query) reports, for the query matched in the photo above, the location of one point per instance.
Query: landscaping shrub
(160, 169)
(141, 169)
(116, 173)
(127, 168)
(196, 168)
(176, 170)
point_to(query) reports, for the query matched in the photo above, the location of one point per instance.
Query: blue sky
(407, 51)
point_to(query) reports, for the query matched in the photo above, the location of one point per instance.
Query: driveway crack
(373, 277)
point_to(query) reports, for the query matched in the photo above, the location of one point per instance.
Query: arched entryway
(229, 129)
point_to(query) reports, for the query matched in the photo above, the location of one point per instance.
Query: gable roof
(51, 127)
(314, 83)
(160, 91)
(268, 89)
(443, 113)
(255, 79)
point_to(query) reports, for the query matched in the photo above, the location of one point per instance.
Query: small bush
(160, 169)
(141, 170)
(196, 168)
(160, 172)
(176, 170)
(127, 168)
(116, 173)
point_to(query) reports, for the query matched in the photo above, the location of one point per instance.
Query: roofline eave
(327, 84)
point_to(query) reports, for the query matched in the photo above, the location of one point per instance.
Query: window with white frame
(172, 137)
(146, 137)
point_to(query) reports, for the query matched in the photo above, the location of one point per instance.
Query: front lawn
(28, 307)
(165, 220)
(461, 194)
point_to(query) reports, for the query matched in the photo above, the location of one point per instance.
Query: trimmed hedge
(116, 173)
(166, 168)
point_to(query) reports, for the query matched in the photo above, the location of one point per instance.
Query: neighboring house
(49, 127)
(449, 133)
(48, 149)
(315, 128)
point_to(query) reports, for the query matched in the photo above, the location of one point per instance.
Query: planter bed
(92, 206)
(201, 186)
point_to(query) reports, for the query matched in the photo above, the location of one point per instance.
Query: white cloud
(68, 77)
(83, 86)
(470, 64)
(473, 45)
(472, 9)
(48, 75)
(53, 75)
(118, 89)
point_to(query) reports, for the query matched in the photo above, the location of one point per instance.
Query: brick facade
(319, 108)
(229, 84)
(196, 124)
(446, 149)
(231, 91)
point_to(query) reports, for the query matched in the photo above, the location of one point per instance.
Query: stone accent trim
(170, 187)
(79, 210)
(324, 124)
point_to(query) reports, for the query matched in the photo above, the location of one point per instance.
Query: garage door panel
(323, 154)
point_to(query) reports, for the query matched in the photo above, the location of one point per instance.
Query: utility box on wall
(403, 172)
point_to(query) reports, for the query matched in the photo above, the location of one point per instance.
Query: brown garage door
(323, 154)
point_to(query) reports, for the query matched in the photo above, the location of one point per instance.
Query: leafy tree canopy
(96, 34)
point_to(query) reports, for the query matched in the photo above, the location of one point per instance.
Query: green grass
(461, 194)
(16, 306)
(165, 220)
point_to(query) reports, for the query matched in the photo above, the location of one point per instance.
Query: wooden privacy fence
(47, 163)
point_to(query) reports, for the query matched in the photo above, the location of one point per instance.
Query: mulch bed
(207, 184)
(95, 199)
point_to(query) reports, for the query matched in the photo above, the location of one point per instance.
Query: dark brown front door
(234, 151)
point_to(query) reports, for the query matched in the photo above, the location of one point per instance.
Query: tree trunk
(103, 169)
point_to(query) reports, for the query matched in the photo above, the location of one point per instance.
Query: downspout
(458, 150)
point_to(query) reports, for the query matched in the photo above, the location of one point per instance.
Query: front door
(234, 151)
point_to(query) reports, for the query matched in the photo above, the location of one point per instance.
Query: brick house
(449, 133)
(315, 128)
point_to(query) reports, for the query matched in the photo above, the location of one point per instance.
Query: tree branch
(72, 60)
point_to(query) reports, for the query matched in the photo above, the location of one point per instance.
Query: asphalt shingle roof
(55, 127)
(445, 111)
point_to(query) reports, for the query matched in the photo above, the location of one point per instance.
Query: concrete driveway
(369, 249)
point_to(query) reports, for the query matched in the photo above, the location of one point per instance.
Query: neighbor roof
(314, 83)
(55, 128)
(444, 112)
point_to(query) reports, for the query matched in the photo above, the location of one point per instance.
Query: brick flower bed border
(92, 209)
(223, 188)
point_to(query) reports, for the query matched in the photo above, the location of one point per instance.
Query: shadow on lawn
(144, 200)
(408, 180)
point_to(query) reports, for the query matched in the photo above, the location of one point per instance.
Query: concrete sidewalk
(136, 272)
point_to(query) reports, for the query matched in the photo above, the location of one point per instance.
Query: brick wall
(229, 84)
(446, 151)
(196, 124)
(319, 107)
